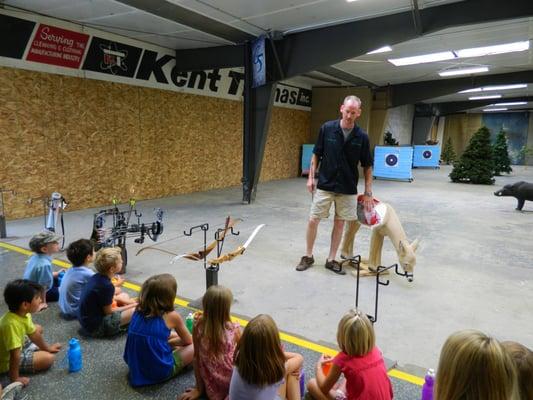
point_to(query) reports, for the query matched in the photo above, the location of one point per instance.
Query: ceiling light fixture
(494, 96)
(512, 103)
(490, 50)
(494, 109)
(499, 87)
(426, 58)
(383, 49)
(463, 71)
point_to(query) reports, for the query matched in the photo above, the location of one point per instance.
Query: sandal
(334, 266)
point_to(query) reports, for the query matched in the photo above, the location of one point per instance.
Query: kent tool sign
(47, 45)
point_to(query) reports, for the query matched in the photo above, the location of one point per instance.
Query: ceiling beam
(454, 107)
(410, 93)
(209, 58)
(345, 76)
(184, 16)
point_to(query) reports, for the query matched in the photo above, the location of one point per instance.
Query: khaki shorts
(345, 205)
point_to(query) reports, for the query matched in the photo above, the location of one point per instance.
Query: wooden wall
(92, 140)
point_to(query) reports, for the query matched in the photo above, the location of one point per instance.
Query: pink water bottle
(427, 389)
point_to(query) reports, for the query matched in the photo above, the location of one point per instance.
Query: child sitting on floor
(474, 366)
(81, 254)
(263, 371)
(97, 316)
(215, 338)
(148, 353)
(523, 360)
(360, 361)
(17, 353)
(39, 267)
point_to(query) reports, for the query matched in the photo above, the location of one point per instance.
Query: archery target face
(427, 154)
(391, 160)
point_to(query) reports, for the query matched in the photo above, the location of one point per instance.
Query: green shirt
(13, 330)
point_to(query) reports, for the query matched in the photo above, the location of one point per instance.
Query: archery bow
(201, 254)
(238, 251)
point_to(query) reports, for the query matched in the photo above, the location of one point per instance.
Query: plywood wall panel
(92, 140)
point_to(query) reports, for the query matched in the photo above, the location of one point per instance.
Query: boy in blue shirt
(81, 254)
(17, 354)
(39, 267)
(97, 316)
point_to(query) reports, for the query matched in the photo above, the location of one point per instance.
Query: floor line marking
(306, 344)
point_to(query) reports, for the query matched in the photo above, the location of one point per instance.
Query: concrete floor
(474, 267)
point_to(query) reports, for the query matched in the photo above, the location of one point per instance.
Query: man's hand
(311, 184)
(368, 202)
(54, 348)
(190, 394)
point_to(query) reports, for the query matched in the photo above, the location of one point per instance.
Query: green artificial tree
(502, 162)
(448, 153)
(476, 164)
(389, 139)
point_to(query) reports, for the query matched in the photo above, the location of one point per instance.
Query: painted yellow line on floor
(306, 344)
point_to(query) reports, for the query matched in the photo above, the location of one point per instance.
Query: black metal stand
(211, 271)
(379, 282)
(3, 232)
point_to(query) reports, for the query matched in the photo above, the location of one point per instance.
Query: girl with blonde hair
(215, 338)
(159, 345)
(263, 371)
(474, 366)
(359, 360)
(523, 360)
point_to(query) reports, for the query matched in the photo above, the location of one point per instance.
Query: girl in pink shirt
(360, 361)
(215, 338)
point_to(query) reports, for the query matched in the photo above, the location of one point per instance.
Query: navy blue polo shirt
(97, 293)
(339, 158)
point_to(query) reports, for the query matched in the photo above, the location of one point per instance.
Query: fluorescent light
(497, 49)
(383, 49)
(494, 109)
(498, 87)
(350, 1)
(463, 71)
(512, 103)
(494, 96)
(426, 58)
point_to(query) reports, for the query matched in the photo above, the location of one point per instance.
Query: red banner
(58, 46)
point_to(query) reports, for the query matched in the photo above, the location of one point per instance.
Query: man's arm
(312, 171)
(367, 197)
(37, 338)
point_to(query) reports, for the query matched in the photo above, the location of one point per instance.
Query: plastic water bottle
(189, 322)
(302, 383)
(427, 389)
(60, 277)
(74, 355)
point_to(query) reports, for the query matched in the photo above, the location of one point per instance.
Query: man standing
(340, 147)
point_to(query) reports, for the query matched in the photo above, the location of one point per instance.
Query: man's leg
(336, 236)
(312, 229)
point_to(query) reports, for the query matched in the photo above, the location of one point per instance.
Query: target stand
(426, 156)
(393, 162)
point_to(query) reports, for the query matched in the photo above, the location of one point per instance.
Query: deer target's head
(407, 256)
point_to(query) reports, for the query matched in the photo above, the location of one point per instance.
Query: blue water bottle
(60, 277)
(74, 355)
(427, 389)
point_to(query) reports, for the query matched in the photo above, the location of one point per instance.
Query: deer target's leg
(376, 246)
(348, 238)
(520, 204)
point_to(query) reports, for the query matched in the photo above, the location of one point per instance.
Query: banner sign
(58, 46)
(48, 45)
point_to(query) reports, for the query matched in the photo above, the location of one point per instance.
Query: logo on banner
(391, 160)
(259, 62)
(427, 154)
(113, 58)
(57, 46)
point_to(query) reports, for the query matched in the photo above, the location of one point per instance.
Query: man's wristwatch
(369, 194)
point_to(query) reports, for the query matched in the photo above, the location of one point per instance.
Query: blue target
(427, 154)
(391, 160)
